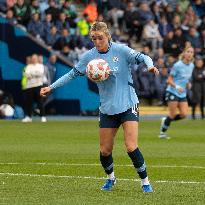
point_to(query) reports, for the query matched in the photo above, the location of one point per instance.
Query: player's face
(188, 54)
(100, 40)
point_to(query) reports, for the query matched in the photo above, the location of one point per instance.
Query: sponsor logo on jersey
(115, 59)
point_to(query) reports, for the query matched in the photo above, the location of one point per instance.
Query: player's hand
(154, 70)
(44, 91)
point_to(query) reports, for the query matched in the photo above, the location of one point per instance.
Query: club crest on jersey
(115, 59)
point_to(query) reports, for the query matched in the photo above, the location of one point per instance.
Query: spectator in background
(51, 68)
(194, 39)
(198, 87)
(168, 44)
(169, 12)
(83, 30)
(10, 17)
(191, 17)
(69, 54)
(199, 7)
(179, 10)
(10, 3)
(202, 25)
(182, 6)
(49, 75)
(53, 10)
(161, 85)
(43, 5)
(160, 63)
(62, 23)
(170, 62)
(47, 25)
(202, 40)
(159, 54)
(164, 26)
(34, 8)
(157, 13)
(144, 12)
(178, 41)
(3, 6)
(151, 35)
(147, 50)
(83, 25)
(145, 81)
(65, 39)
(91, 11)
(69, 9)
(21, 12)
(34, 76)
(176, 22)
(52, 37)
(131, 19)
(116, 12)
(35, 26)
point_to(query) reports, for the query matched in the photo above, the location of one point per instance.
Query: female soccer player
(178, 82)
(118, 100)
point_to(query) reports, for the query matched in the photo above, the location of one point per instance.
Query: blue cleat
(108, 185)
(147, 188)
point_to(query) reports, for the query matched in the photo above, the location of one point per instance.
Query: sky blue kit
(181, 74)
(117, 93)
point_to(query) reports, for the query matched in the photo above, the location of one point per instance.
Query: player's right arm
(60, 82)
(78, 70)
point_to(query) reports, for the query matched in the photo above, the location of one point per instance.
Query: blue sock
(107, 163)
(177, 117)
(167, 123)
(138, 162)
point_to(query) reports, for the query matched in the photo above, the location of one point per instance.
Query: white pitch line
(81, 164)
(95, 178)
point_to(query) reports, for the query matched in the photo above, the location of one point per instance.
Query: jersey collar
(110, 43)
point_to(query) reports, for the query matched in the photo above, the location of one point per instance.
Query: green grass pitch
(57, 163)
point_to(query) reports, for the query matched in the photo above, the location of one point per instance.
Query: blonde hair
(181, 56)
(100, 26)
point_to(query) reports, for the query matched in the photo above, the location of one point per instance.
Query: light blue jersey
(117, 93)
(181, 74)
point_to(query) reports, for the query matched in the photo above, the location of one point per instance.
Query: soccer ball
(97, 70)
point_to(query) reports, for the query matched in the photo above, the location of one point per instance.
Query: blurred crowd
(159, 28)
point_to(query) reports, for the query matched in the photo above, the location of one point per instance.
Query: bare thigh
(107, 136)
(130, 135)
(172, 107)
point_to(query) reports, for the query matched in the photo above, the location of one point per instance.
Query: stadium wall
(75, 97)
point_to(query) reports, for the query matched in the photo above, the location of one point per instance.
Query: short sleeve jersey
(181, 74)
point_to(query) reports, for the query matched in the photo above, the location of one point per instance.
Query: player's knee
(105, 151)
(131, 147)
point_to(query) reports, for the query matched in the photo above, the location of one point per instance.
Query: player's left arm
(148, 61)
(138, 57)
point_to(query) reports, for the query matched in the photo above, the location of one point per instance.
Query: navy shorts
(114, 121)
(172, 97)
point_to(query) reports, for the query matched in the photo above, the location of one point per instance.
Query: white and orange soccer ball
(98, 70)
